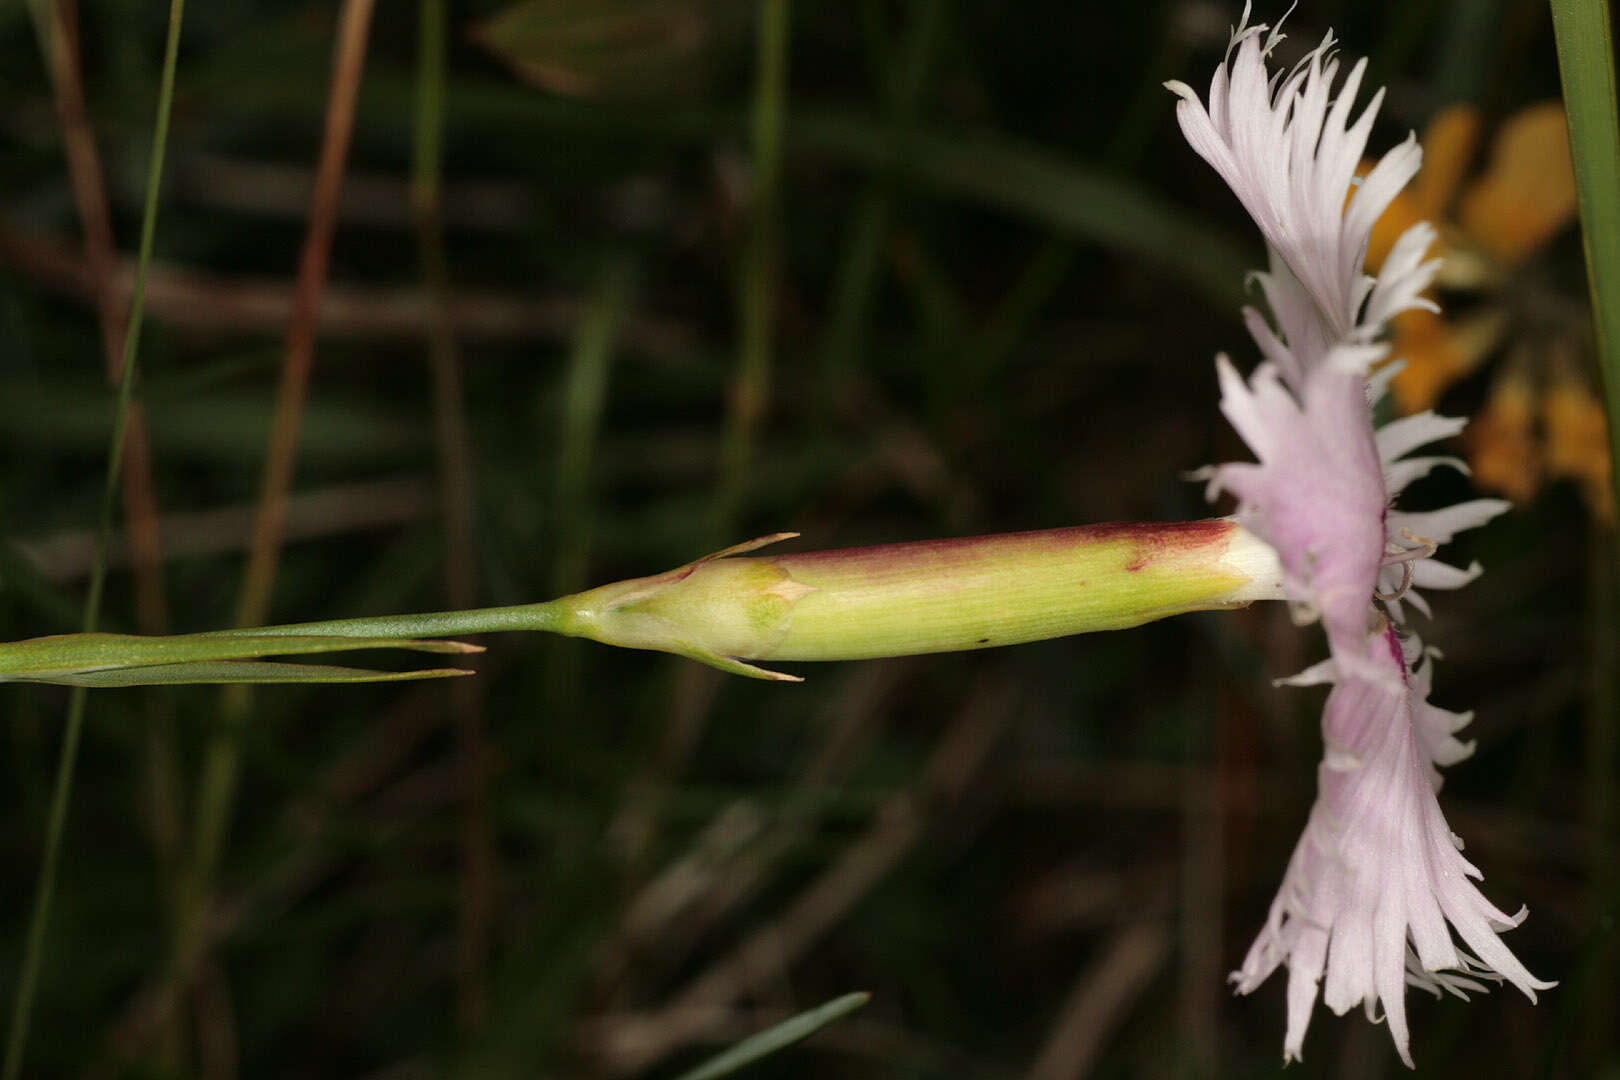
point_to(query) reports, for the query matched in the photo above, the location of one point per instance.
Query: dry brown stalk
(1100, 1002)
(362, 771)
(58, 27)
(730, 859)
(282, 190)
(630, 1044)
(220, 763)
(323, 512)
(233, 305)
(476, 894)
(280, 458)
(59, 37)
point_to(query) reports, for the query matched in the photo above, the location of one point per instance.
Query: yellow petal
(1578, 441)
(1423, 340)
(1402, 213)
(1528, 193)
(1438, 353)
(1501, 439)
(1448, 144)
(1467, 267)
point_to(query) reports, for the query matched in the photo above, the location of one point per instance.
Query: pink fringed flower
(1378, 874)
(1377, 877)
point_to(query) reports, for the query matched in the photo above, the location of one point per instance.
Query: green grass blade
(759, 272)
(1586, 66)
(855, 284)
(585, 384)
(28, 976)
(1584, 35)
(256, 672)
(772, 1039)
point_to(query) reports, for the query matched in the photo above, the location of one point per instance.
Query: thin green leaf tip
(780, 1037)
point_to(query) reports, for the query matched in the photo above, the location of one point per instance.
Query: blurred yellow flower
(1502, 438)
(1577, 436)
(1542, 418)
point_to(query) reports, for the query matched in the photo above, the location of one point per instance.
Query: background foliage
(983, 296)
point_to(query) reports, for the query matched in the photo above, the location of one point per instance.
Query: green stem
(216, 793)
(757, 287)
(1602, 643)
(1586, 65)
(584, 392)
(449, 412)
(28, 977)
(856, 282)
(549, 615)
(457, 487)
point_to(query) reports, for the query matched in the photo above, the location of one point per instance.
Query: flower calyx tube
(731, 609)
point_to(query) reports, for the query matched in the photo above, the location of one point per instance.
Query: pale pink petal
(1403, 278)
(1378, 382)
(1400, 437)
(1441, 525)
(1378, 868)
(1403, 472)
(1432, 574)
(1317, 495)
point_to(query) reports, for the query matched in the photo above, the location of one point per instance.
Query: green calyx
(719, 610)
(927, 596)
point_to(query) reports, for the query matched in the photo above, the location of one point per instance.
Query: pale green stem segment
(727, 610)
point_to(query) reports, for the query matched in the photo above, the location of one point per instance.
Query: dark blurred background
(991, 280)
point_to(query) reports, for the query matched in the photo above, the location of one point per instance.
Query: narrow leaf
(46, 658)
(1584, 34)
(777, 1038)
(242, 671)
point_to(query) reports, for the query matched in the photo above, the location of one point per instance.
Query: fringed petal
(1399, 474)
(1377, 876)
(1289, 149)
(1440, 526)
(1400, 437)
(1433, 574)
